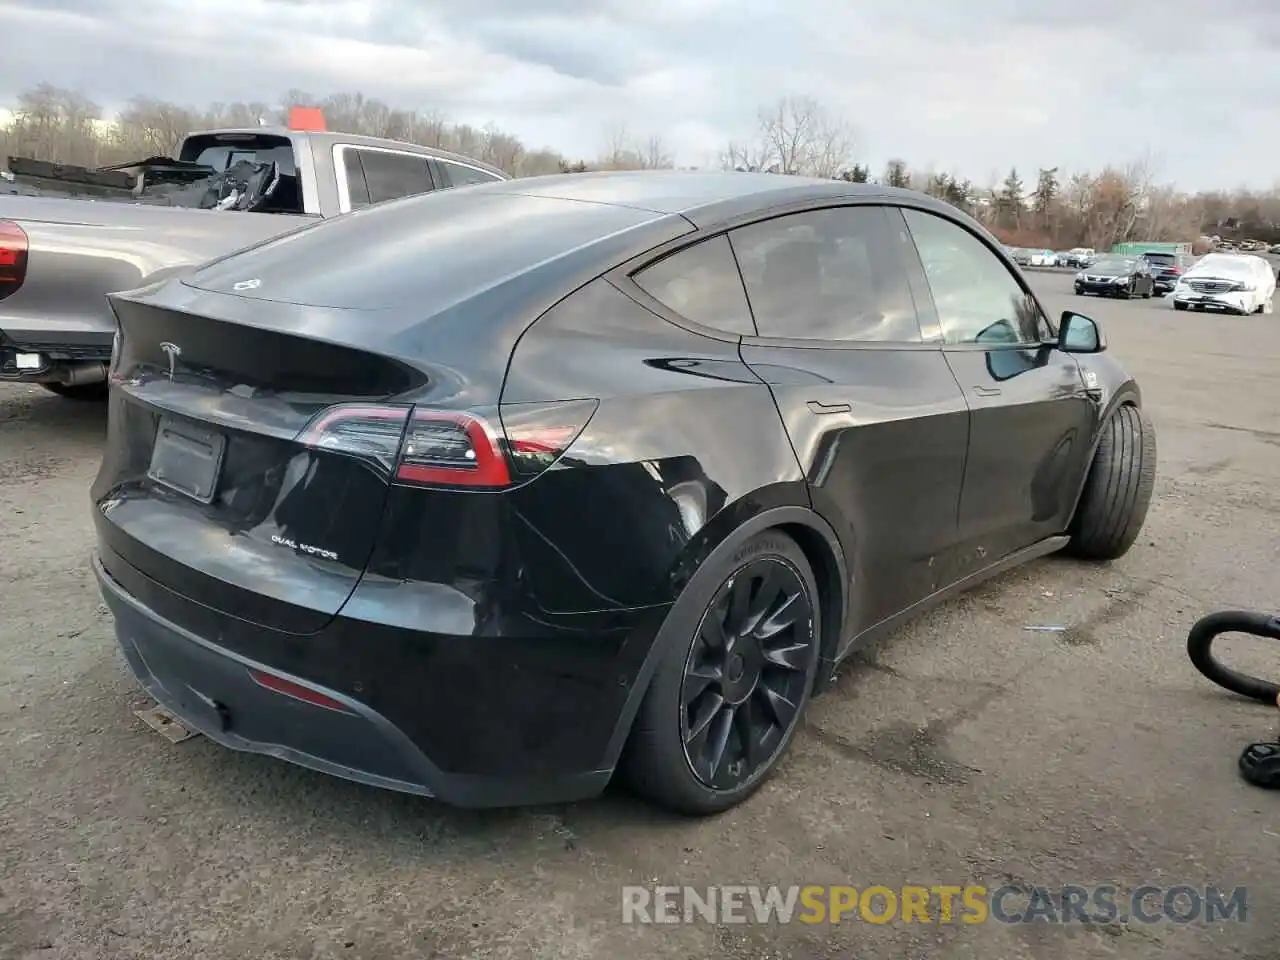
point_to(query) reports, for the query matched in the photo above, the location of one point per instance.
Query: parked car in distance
(1233, 283)
(1166, 268)
(1079, 257)
(1116, 276)
(1022, 257)
(1044, 258)
(609, 486)
(70, 235)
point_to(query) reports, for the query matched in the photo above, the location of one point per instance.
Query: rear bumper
(211, 688)
(54, 352)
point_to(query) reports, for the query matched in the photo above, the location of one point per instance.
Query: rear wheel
(729, 694)
(79, 391)
(1117, 492)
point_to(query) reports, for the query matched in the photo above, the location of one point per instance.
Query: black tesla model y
(488, 493)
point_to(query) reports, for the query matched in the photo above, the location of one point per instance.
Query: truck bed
(156, 181)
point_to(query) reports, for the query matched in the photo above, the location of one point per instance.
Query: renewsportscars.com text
(1098, 904)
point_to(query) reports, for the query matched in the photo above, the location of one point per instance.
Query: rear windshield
(430, 251)
(1160, 257)
(224, 150)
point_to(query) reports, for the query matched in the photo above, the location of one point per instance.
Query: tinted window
(460, 176)
(828, 275)
(977, 298)
(389, 176)
(702, 284)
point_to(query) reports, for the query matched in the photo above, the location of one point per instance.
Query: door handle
(817, 406)
(987, 391)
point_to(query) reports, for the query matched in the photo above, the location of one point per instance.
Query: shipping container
(1152, 247)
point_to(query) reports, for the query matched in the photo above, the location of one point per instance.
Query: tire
(656, 763)
(1179, 306)
(79, 391)
(1117, 492)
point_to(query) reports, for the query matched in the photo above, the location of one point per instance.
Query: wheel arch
(821, 547)
(1126, 395)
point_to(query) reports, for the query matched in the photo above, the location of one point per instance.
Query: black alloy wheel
(747, 673)
(741, 650)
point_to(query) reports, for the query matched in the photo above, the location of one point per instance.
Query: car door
(1031, 413)
(872, 410)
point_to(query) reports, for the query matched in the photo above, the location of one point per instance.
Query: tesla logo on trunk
(173, 352)
(243, 285)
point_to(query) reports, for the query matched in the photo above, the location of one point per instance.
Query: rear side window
(459, 176)
(375, 175)
(833, 275)
(702, 284)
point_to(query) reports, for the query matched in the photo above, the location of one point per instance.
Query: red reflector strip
(543, 439)
(296, 690)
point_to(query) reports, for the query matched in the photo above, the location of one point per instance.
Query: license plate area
(187, 458)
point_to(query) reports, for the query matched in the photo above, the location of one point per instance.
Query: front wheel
(1179, 306)
(729, 694)
(1118, 489)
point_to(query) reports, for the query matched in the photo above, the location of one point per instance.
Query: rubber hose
(1200, 650)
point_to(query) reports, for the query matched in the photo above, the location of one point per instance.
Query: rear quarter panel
(80, 251)
(685, 447)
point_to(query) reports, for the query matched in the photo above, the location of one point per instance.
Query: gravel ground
(965, 749)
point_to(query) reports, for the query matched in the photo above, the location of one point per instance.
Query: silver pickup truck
(69, 236)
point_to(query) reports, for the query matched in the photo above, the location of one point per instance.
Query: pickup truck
(69, 235)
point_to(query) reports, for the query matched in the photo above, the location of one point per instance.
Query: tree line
(794, 136)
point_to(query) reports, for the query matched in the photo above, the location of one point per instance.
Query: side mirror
(1080, 334)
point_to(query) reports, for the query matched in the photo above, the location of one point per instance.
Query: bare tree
(753, 157)
(621, 151)
(794, 135)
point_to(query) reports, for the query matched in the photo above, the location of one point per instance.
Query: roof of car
(329, 138)
(700, 196)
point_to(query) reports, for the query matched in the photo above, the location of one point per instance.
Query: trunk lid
(204, 486)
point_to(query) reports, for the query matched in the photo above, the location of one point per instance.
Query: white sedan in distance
(1234, 283)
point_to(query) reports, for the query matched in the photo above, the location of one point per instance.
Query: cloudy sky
(970, 86)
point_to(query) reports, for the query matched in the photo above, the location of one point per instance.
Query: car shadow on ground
(33, 406)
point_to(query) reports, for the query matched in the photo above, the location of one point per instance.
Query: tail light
(13, 257)
(431, 447)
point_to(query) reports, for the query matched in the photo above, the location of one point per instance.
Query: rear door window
(836, 275)
(385, 176)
